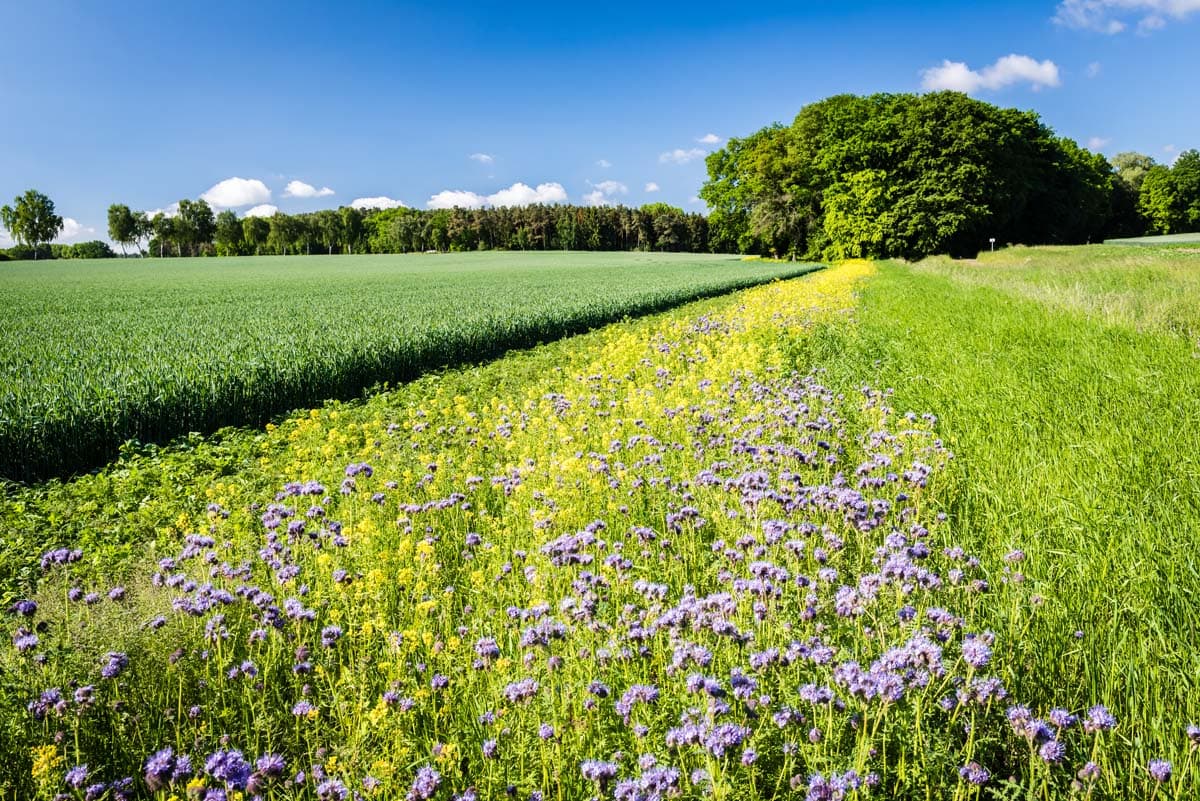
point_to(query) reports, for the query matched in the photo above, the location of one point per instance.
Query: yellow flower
(46, 760)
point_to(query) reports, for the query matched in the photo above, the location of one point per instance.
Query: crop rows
(92, 356)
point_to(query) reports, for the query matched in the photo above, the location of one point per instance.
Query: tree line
(880, 175)
(196, 231)
(911, 175)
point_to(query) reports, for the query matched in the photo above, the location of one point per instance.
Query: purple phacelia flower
(330, 635)
(1052, 751)
(598, 771)
(1160, 770)
(638, 693)
(117, 662)
(24, 608)
(974, 773)
(976, 652)
(425, 784)
(1098, 719)
(332, 790)
(76, 776)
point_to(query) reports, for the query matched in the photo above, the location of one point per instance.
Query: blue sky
(145, 103)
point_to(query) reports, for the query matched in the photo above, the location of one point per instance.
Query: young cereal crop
(652, 563)
(93, 355)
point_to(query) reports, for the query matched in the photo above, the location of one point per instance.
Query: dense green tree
(903, 175)
(1158, 202)
(94, 249)
(255, 231)
(284, 233)
(31, 220)
(1185, 175)
(1131, 168)
(329, 229)
(227, 235)
(352, 227)
(194, 226)
(566, 229)
(123, 226)
(162, 229)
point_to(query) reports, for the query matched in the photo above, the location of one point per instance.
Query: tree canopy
(31, 220)
(910, 175)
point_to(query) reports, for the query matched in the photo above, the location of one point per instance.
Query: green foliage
(904, 175)
(124, 227)
(94, 249)
(655, 227)
(158, 350)
(1065, 382)
(1158, 201)
(228, 235)
(31, 220)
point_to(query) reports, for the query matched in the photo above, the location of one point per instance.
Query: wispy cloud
(604, 164)
(1093, 70)
(1097, 143)
(1114, 16)
(681, 156)
(301, 189)
(651, 187)
(482, 158)
(708, 139)
(380, 202)
(519, 194)
(1007, 71)
(235, 192)
(605, 193)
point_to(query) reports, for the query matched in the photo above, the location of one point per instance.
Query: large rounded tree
(31, 220)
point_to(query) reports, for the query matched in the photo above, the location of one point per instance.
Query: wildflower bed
(655, 563)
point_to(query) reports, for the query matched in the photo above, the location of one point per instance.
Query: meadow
(883, 531)
(95, 354)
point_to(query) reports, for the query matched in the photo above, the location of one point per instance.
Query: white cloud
(6, 241)
(1096, 143)
(170, 210)
(1093, 69)
(450, 198)
(1111, 16)
(234, 192)
(262, 210)
(73, 230)
(482, 158)
(681, 156)
(651, 187)
(519, 194)
(1009, 70)
(695, 201)
(301, 189)
(381, 202)
(604, 164)
(709, 139)
(604, 193)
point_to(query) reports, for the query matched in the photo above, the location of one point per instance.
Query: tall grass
(1072, 405)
